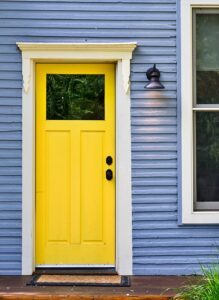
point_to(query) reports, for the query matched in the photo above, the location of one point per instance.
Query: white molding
(77, 52)
(123, 175)
(121, 54)
(26, 73)
(198, 3)
(189, 216)
(94, 47)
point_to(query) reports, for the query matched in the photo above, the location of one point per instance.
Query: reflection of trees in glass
(207, 123)
(207, 41)
(207, 87)
(208, 138)
(207, 151)
(75, 97)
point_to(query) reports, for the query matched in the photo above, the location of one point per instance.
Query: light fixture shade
(153, 75)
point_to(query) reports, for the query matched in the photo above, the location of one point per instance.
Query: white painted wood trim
(85, 47)
(121, 54)
(188, 4)
(189, 216)
(123, 173)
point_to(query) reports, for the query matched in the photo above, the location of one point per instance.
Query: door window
(75, 97)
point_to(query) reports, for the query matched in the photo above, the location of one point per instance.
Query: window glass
(75, 97)
(207, 156)
(205, 110)
(207, 58)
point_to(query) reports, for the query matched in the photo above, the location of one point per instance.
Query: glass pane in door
(75, 97)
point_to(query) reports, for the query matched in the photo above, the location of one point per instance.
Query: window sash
(198, 205)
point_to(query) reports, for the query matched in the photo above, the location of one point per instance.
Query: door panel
(58, 158)
(91, 194)
(75, 132)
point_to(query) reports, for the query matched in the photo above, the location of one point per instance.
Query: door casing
(120, 54)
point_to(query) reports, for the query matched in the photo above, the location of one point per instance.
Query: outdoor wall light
(153, 75)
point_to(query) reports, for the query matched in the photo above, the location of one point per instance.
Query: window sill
(201, 217)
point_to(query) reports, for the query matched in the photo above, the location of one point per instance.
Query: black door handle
(109, 174)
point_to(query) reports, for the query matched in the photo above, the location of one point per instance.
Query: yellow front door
(75, 160)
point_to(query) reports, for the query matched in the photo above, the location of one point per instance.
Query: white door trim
(121, 54)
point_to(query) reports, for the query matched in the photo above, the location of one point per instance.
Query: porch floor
(142, 287)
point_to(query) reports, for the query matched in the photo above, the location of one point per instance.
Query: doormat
(80, 280)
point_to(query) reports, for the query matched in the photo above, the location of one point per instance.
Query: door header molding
(72, 52)
(120, 54)
(110, 47)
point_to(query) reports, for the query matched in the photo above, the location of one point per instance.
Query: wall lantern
(153, 75)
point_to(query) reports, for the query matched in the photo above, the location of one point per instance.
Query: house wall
(160, 244)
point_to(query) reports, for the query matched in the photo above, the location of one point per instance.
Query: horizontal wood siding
(160, 245)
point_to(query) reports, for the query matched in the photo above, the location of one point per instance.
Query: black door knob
(109, 160)
(109, 174)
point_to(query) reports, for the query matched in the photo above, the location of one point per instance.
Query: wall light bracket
(153, 75)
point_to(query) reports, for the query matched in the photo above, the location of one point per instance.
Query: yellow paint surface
(75, 204)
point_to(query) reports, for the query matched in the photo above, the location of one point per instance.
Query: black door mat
(80, 280)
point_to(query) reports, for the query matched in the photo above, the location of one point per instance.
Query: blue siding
(160, 244)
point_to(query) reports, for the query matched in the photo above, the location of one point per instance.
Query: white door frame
(121, 54)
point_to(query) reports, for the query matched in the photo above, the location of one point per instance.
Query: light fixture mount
(153, 75)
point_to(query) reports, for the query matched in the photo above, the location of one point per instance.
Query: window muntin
(206, 108)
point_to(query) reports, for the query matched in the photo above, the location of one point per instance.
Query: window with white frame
(206, 108)
(200, 110)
